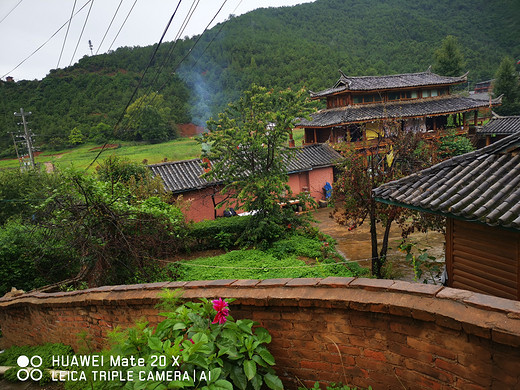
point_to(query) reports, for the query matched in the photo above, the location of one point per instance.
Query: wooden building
(309, 171)
(497, 128)
(479, 194)
(359, 108)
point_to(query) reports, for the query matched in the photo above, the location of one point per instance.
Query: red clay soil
(108, 146)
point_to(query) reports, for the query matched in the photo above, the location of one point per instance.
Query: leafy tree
(248, 153)
(366, 169)
(449, 60)
(148, 118)
(76, 137)
(507, 83)
(116, 235)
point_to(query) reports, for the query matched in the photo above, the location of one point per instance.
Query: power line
(66, 34)
(124, 22)
(110, 25)
(47, 41)
(12, 9)
(82, 30)
(139, 83)
(133, 118)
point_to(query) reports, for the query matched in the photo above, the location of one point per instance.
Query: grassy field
(82, 156)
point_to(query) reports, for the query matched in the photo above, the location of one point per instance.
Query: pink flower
(219, 304)
(220, 307)
(220, 317)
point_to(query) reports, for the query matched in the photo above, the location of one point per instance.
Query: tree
(507, 83)
(247, 150)
(76, 137)
(389, 158)
(448, 59)
(148, 119)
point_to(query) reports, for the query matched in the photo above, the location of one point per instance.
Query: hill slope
(284, 47)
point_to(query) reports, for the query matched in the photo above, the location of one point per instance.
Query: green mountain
(300, 46)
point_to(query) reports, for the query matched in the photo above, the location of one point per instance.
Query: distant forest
(300, 46)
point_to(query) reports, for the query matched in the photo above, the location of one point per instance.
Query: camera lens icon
(29, 368)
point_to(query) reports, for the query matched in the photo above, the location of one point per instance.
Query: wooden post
(449, 250)
(315, 139)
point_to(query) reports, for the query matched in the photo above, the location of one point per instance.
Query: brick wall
(383, 333)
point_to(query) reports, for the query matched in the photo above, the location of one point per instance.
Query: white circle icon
(23, 361)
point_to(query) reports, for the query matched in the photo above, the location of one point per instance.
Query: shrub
(201, 338)
(221, 232)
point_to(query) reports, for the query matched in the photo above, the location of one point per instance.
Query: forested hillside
(296, 46)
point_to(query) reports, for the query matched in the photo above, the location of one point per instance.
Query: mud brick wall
(383, 333)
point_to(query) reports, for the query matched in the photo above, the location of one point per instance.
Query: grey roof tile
(185, 175)
(403, 109)
(501, 125)
(396, 81)
(482, 186)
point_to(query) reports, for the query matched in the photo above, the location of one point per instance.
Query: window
(414, 95)
(434, 92)
(394, 96)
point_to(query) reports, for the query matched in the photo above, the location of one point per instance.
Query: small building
(497, 128)
(360, 108)
(309, 170)
(479, 194)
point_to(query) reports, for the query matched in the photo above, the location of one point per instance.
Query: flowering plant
(201, 338)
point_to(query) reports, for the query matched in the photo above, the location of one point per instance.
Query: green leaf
(221, 384)
(266, 355)
(273, 382)
(238, 377)
(155, 344)
(249, 369)
(263, 335)
(257, 382)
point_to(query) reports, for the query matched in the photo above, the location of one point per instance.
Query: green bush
(219, 233)
(280, 261)
(195, 337)
(29, 258)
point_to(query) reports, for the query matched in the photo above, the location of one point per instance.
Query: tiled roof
(501, 125)
(482, 186)
(405, 80)
(403, 109)
(182, 176)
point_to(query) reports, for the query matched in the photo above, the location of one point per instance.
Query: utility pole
(17, 154)
(28, 139)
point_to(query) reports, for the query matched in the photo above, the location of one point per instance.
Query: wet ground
(356, 245)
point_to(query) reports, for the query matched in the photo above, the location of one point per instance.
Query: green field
(82, 156)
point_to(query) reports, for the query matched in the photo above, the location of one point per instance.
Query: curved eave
(442, 214)
(376, 117)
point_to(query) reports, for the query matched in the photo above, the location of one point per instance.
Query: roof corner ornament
(342, 74)
(429, 70)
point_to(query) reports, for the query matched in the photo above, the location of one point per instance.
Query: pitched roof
(397, 81)
(183, 176)
(446, 104)
(501, 125)
(482, 186)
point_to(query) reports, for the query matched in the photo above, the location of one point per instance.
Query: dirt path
(356, 245)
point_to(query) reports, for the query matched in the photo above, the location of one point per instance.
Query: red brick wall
(383, 333)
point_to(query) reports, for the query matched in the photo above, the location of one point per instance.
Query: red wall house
(309, 170)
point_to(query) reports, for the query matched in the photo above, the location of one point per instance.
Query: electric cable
(122, 25)
(132, 118)
(12, 9)
(47, 41)
(138, 84)
(82, 30)
(110, 25)
(66, 34)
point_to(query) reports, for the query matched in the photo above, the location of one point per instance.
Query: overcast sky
(25, 25)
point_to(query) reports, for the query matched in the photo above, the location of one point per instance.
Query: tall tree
(248, 153)
(507, 83)
(448, 59)
(366, 169)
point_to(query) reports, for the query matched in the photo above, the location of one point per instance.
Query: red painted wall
(201, 204)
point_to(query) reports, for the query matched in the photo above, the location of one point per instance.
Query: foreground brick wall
(383, 333)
